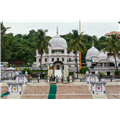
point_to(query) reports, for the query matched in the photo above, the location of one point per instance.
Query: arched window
(111, 64)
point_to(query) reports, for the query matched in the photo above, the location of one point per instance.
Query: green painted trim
(5, 94)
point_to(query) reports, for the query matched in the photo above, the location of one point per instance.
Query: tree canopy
(23, 46)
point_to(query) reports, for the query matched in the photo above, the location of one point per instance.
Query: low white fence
(34, 68)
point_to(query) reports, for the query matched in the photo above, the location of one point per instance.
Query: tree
(18, 36)
(101, 75)
(76, 45)
(117, 73)
(4, 40)
(42, 44)
(84, 69)
(113, 47)
(30, 61)
(29, 71)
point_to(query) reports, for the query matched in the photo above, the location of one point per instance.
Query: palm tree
(4, 40)
(42, 44)
(76, 44)
(113, 47)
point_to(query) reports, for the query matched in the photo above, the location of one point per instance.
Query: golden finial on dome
(92, 42)
(57, 30)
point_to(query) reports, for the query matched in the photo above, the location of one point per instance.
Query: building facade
(101, 61)
(57, 52)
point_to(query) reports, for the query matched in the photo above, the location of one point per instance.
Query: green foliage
(101, 75)
(67, 77)
(113, 46)
(73, 76)
(19, 46)
(117, 72)
(70, 73)
(84, 69)
(30, 61)
(30, 72)
(46, 76)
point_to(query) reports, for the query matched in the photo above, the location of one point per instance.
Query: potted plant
(68, 78)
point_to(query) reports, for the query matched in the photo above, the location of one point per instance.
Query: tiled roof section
(112, 33)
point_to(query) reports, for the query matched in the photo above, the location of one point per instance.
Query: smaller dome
(92, 52)
(102, 56)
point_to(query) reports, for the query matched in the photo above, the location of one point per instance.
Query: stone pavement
(75, 90)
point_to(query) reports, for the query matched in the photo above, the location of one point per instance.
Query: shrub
(73, 76)
(101, 75)
(84, 69)
(67, 77)
(30, 61)
(70, 73)
(46, 76)
(117, 72)
(30, 72)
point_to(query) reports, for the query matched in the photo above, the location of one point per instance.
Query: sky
(98, 28)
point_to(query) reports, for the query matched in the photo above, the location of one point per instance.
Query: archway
(58, 68)
(111, 64)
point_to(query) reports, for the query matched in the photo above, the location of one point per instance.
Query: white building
(57, 52)
(94, 57)
(101, 61)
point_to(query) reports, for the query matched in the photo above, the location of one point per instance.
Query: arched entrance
(58, 68)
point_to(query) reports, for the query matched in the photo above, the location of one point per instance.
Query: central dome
(58, 41)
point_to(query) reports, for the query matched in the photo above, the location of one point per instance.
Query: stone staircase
(36, 92)
(113, 91)
(58, 72)
(73, 92)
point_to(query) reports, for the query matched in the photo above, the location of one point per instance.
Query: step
(13, 96)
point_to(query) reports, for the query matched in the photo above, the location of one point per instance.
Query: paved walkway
(75, 90)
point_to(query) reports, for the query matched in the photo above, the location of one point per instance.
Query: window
(39, 60)
(108, 73)
(69, 59)
(69, 65)
(45, 59)
(52, 59)
(63, 59)
(57, 59)
(75, 59)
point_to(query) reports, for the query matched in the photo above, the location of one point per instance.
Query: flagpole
(79, 34)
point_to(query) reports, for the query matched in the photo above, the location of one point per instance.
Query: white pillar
(65, 51)
(103, 64)
(49, 50)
